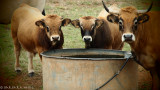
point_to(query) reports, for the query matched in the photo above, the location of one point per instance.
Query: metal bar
(114, 74)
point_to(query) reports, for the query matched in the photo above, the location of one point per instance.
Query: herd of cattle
(113, 26)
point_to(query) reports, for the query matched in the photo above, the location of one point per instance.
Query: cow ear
(40, 23)
(75, 23)
(113, 18)
(99, 22)
(66, 21)
(143, 18)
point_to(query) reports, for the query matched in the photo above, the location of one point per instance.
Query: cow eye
(93, 26)
(47, 29)
(120, 25)
(81, 27)
(120, 22)
(135, 22)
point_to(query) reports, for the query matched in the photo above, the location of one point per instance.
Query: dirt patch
(21, 81)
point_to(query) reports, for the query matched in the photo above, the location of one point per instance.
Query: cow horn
(105, 6)
(145, 11)
(108, 9)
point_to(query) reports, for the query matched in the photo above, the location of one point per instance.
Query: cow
(97, 33)
(140, 29)
(35, 33)
(7, 8)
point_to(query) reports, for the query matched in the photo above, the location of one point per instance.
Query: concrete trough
(87, 69)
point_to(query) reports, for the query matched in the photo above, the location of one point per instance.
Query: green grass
(6, 54)
(7, 60)
(72, 37)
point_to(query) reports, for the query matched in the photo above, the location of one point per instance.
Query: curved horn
(107, 9)
(145, 11)
(105, 6)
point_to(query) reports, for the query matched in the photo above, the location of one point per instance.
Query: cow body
(102, 38)
(140, 30)
(7, 8)
(35, 33)
(114, 28)
(146, 47)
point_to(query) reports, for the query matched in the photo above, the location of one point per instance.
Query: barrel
(88, 69)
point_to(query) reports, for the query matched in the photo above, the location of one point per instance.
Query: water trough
(87, 69)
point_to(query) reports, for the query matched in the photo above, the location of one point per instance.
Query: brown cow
(35, 33)
(96, 33)
(140, 29)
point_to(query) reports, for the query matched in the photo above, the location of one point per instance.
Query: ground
(72, 9)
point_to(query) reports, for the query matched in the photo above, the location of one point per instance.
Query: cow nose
(87, 39)
(128, 36)
(55, 38)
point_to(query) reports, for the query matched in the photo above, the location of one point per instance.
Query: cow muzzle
(87, 39)
(55, 38)
(128, 37)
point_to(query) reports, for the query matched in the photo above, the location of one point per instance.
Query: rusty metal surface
(61, 71)
(87, 54)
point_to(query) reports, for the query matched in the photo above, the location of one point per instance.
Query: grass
(7, 60)
(72, 9)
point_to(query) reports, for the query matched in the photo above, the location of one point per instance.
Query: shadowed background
(72, 9)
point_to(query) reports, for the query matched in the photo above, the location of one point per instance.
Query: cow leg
(30, 64)
(155, 79)
(17, 49)
(39, 52)
(40, 56)
(152, 65)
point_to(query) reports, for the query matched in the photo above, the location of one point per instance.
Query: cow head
(52, 26)
(88, 26)
(128, 19)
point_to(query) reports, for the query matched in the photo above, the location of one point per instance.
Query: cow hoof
(31, 74)
(18, 71)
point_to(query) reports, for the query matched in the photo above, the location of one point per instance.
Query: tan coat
(114, 28)
(35, 33)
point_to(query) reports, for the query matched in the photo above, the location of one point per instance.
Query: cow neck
(141, 41)
(43, 39)
(102, 37)
(106, 34)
